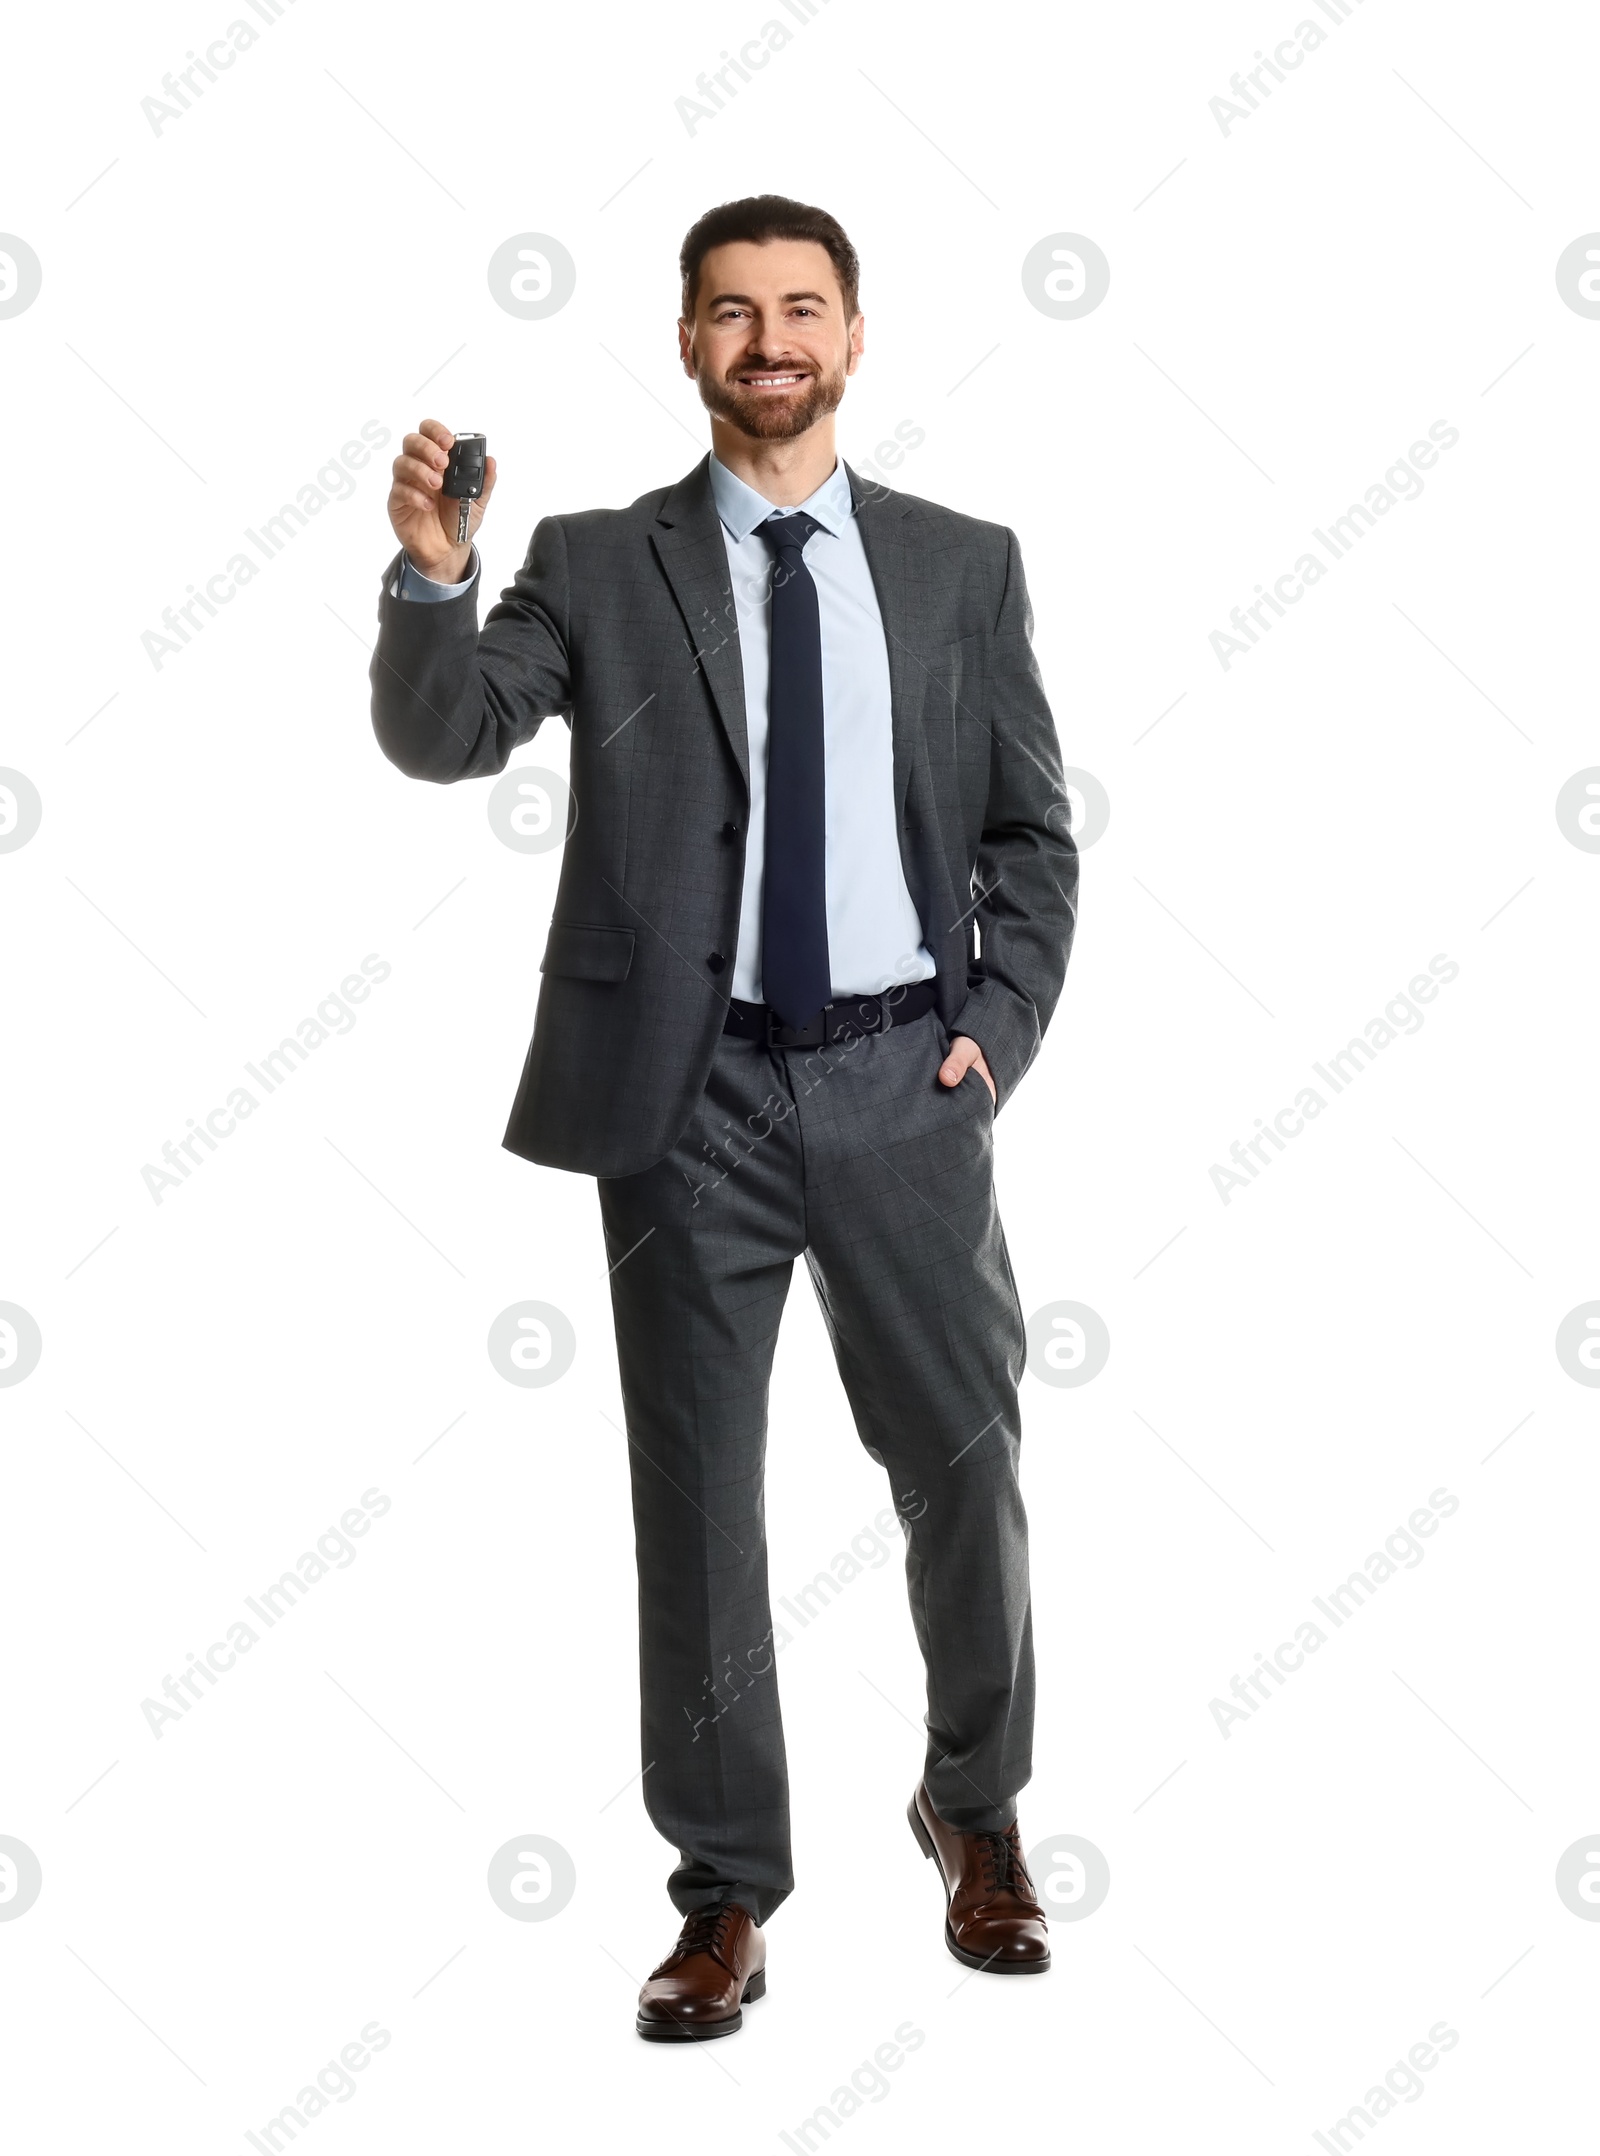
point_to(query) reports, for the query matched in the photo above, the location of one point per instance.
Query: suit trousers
(858, 1158)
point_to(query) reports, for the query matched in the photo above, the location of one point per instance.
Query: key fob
(465, 472)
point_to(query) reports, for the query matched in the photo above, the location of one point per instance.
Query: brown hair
(768, 217)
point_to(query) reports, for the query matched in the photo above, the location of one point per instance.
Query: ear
(858, 342)
(686, 347)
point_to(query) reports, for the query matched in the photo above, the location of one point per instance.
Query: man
(813, 918)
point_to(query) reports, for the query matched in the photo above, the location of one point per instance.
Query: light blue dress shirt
(874, 936)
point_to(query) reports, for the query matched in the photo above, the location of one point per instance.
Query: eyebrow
(722, 299)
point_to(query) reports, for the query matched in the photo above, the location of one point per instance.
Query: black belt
(845, 1020)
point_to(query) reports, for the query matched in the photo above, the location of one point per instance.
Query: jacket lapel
(881, 517)
(900, 576)
(687, 537)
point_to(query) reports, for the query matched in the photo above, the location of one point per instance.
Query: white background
(222, 842)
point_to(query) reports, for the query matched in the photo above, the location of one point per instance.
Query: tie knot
(788, 533)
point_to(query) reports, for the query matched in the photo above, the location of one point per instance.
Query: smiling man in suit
(812, 921)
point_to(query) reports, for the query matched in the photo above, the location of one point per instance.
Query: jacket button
(730, 831)
(716, 961)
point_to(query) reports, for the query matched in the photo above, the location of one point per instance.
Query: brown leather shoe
(720, 1960)
(994, 1920)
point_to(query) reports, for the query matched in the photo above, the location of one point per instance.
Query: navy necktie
(795, 979)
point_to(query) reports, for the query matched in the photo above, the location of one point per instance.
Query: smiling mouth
(772, 380)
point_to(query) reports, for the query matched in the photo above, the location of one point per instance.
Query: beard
(764, 417)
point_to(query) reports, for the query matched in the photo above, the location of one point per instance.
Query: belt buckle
(814, 1034)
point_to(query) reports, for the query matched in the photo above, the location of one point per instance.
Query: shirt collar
(741, 508)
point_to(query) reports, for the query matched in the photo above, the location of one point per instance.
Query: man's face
(769, 346)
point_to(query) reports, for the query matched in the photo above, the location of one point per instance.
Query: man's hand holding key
(424, 518)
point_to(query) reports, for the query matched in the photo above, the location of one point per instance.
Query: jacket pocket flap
(588, 954)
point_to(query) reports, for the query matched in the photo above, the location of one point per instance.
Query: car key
(464, 476)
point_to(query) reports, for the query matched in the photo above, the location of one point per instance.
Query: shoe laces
(1004, 1868)
(705, 1931)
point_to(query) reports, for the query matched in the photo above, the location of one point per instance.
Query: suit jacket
(622, 622)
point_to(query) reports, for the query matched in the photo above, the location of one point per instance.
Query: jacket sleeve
(1025, 882)
(450, 701)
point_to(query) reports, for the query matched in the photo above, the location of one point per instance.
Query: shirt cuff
(412, 584)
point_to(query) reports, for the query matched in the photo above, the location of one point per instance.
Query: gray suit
(720, 1160)
(622, 621)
